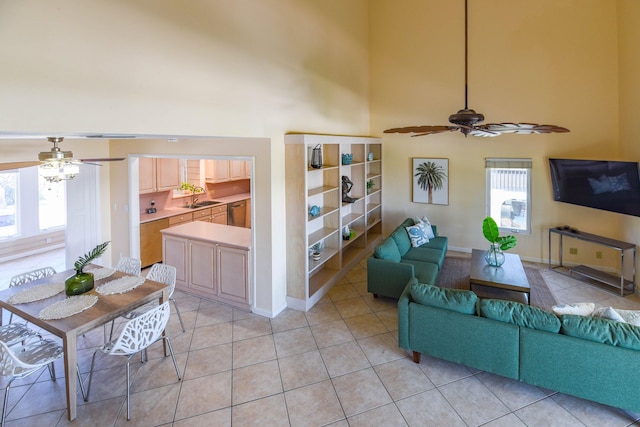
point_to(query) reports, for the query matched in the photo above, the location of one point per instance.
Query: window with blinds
(509, 193)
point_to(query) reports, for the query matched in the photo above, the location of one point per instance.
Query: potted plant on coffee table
(495, 256)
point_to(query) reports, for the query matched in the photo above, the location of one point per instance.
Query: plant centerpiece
(82, 282)
(370, 184)
(494, 255)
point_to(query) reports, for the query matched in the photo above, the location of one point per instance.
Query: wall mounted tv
(600, 184)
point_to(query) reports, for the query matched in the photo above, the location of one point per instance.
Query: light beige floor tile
(151, 407)
(357, 274)
(241, 314)
(207, 361)
(208, 336)
(253, 350)
(352, 307)
(380, 303)
(101, 413)
(403, 378)
(331, 333)
(295, 341)
(384, 416)
(429, 409)
(40, 398)
(256, 381)
(322, 313)
(302, 369)
(381, 349)
(289, 319)
(389, 318)
(365, 325)
(360, 391)
(546, 413)
(473, 401)
(513, 393)
(361, 288)
(251, 327)
(342, 291)
(268, 411)
(204, 394)
(158, 372)
(313, 405)
(441, 372)
(509, 420)
(591, 413)
(219, 418)
(344, 358)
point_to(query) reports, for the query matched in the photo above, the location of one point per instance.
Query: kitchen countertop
(229, 235)
(166, 213)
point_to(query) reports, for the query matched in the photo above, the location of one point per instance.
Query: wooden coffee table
(510, 276)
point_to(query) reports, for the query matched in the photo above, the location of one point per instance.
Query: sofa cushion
(457, 300)
(387, 250)
(519, 314)
(417, 234)
(425, 272)
(601, 330)
(424, 254)
(440, 243)
(402, 240)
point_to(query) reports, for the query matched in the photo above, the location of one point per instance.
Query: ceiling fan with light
(57, 165)
(467, 120)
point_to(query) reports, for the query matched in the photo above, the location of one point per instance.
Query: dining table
(107, 308)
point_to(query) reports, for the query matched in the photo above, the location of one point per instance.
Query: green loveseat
(588, 357)
(394, 261)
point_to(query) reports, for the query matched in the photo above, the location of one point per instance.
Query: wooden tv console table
(624, 285)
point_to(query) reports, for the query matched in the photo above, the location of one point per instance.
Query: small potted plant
(494, 255)
(370, 184)
(82, 282)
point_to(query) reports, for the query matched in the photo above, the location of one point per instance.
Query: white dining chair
(129, 265)
(30, 276)
(136, 336)
(19, 362)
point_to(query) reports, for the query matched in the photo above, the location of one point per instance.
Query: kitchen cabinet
(247, 222)
(212, 259)
(227, 170)
(219, 214)
(158, 174)
(179, 219)
(308, 278)
(151, 241)
(202, 215)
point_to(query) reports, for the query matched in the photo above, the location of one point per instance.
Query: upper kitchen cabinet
(226, 170)
(158, 174)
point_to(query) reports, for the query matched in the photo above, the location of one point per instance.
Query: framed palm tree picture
(430, 180)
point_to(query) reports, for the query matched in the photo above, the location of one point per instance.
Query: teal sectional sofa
(395, 261)
(588, 357)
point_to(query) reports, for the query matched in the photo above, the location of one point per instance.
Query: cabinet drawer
(204, 214)
(179, 219)
(219, 209)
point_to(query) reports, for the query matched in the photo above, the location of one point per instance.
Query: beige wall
(232, 68)
(546, 61)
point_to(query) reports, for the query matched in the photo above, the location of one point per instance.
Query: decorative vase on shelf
(370, 157)
(82, 282)
(494, 256)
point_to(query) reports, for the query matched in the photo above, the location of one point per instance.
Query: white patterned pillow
(417, 235)
(427, 226)
(608, 313)
(580, 308)
(631, 317)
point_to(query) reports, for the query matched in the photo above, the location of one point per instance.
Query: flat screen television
(608, 185)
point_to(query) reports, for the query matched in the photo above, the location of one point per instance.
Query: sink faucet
(194, 198)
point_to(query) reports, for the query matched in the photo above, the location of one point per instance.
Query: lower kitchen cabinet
(216, 270)
(151, 241)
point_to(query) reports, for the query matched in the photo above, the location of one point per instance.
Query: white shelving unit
(308, 280)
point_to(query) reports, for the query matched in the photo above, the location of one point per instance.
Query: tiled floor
(338, 364)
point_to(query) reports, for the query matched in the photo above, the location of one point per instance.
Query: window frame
(525, 164)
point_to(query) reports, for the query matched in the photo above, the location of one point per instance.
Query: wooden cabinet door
(167, 174)
(216, 170)
(202, 266)
(232, 274)
(219, 218)
(151, 241)
(174, 252)
(236, 169)
(248, 211)
(146, 175)
(247, 169)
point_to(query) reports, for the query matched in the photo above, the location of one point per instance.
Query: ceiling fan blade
(522, 128)
(18, 165)
(106, 159)
(422, 130)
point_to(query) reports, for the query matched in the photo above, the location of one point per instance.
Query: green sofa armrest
(387, 278)
(403, 314)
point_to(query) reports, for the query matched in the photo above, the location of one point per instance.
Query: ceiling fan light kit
(467, 121)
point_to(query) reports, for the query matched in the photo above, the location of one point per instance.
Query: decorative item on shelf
(314, 210)
(370, 185)
(315, 256)
(370, 156)
(495, 256)
(82, 282)
(316, 157)
(346, 233)
(318, 247)
(347, 159)
(346, 188)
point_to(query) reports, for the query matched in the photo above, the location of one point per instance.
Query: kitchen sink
(204, 204)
